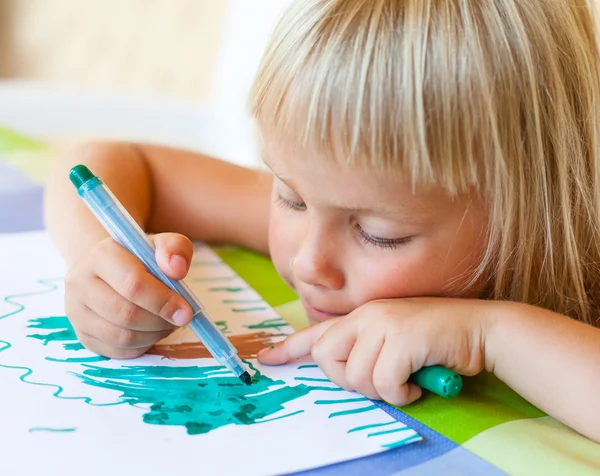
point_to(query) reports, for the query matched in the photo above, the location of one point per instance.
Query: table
(488, 429)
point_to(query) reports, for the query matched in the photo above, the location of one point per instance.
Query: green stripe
(402, 442)
(374, 425)
(386, 432)
(345, 400)
(353, 411)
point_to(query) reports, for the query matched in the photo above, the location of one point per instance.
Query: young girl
(434, 199)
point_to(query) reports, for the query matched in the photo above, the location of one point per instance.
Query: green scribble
(312, 379)
(53, 430)
(353, 411)
(344, 400)
(210, 279)
(227, 289)
(242, 301)
(308, 366)
(327, 389)
(373, 425)
(275, 323)
(26, 372)
(282, 416)
(79, 360)
(25, 377)
(199, 399)
(223, 326)
(251, 309)
(386, 432)
(191, 397)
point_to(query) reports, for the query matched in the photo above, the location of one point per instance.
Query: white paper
(82, 416)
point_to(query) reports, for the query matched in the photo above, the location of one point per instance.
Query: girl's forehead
(289, 160)
(352, 187)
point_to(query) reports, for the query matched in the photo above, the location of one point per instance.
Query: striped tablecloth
(488, 429)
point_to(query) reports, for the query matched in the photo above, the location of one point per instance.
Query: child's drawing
(176, 407)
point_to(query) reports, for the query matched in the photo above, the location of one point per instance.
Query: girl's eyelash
(384, 243)
(290, 204)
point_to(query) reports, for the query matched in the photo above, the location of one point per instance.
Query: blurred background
(169, 71)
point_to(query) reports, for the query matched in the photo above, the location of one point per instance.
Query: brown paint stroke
(247, 345)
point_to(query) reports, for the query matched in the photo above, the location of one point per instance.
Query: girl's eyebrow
(379, 210)
(285, 181)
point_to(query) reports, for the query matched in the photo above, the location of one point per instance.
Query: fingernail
(180, 317)
(177, 261)
(265, 351)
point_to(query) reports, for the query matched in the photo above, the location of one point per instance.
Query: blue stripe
(394, 460)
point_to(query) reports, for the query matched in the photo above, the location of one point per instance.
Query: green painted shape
(308, 366)
(258, 271)
(73, 346)
(484, 402)
(192, 398)
(61, 331)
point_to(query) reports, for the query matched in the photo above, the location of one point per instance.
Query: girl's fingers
(173, 254)
(390, 376)
(361, 363)
(111, 306)
(100, 348)
(128, 277)
(299, 344)
(92, 325)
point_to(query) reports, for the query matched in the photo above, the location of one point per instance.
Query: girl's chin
(313, 320)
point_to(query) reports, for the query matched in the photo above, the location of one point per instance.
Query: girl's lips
(317, 314)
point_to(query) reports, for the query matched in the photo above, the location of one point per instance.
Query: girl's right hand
(116, 307)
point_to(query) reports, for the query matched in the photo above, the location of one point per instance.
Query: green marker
(439, 380)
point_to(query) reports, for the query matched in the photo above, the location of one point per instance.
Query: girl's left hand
(374, 349)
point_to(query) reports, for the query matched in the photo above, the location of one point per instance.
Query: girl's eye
(290, 204)
(384, 243)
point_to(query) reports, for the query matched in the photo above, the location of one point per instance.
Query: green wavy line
(10, 299)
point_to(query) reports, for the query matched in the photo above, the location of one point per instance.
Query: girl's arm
(164, 190)
(549, 359)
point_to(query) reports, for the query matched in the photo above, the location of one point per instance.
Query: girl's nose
(317, 263)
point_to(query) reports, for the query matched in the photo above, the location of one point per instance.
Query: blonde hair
(500, 96)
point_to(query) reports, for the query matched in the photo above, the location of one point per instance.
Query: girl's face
(341, 237)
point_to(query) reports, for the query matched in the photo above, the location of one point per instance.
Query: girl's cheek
(281, 248)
